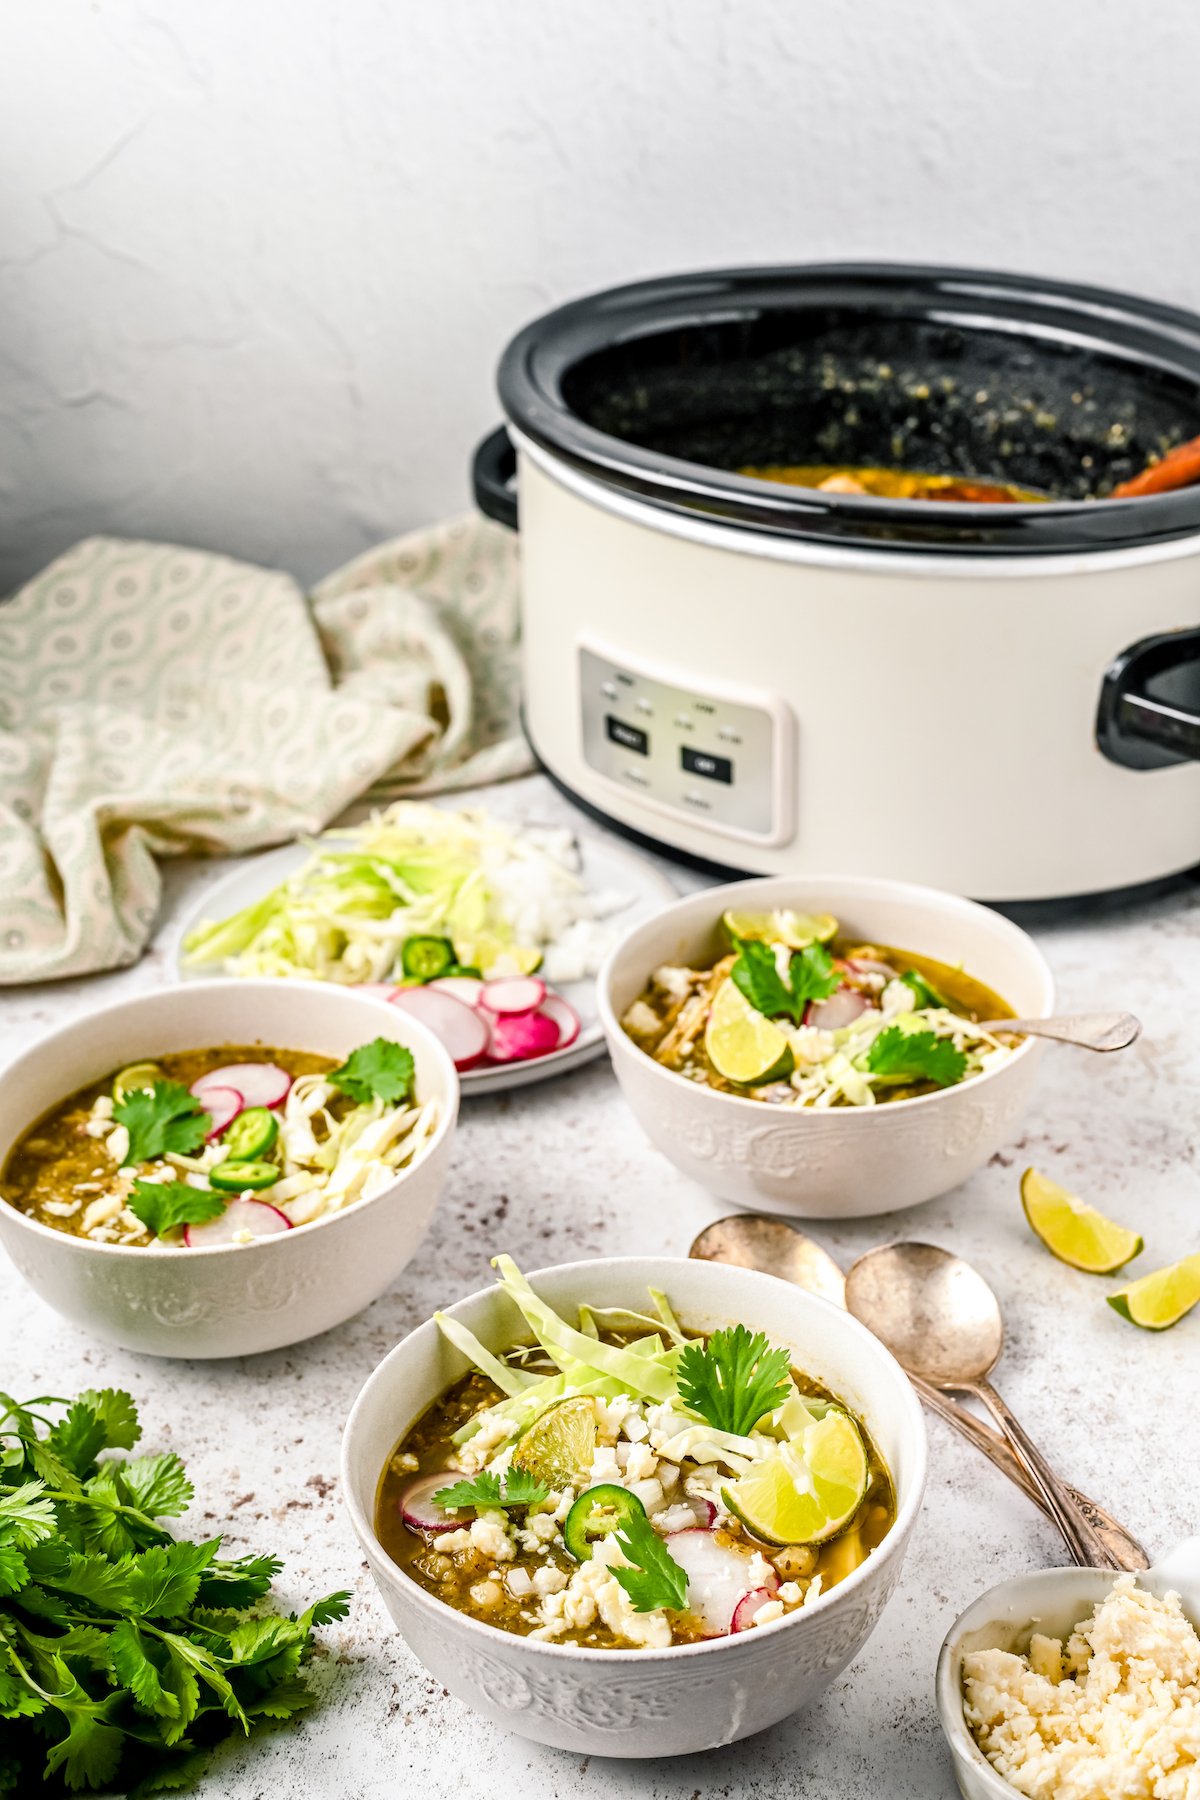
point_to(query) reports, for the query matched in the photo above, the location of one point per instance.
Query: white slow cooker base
(944, 706)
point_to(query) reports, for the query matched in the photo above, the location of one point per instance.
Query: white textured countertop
(561, 1170)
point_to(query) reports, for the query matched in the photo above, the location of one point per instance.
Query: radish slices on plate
(511, 1019)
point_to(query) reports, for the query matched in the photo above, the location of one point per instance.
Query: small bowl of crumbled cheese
(1078, 1684)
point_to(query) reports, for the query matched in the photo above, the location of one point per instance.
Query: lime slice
(137, 1075)
(1075, 1233)
(795, 929)
(1160, 1299)
(558, 1447)
(742, 1045)
(809, 1489)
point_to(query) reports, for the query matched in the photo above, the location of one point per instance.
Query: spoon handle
(1122, 1546)
(1090, 1031)
(1087, 1547)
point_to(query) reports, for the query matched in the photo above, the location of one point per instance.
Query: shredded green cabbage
(501, 897)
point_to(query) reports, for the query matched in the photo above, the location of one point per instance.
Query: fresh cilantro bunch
(379, 1070)
(810, 976)
(732, 1378)
(125, 1654)
(161, 1118)
(520, 1488)
(916, 1056)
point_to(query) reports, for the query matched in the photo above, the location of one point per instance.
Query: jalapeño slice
(251, 1134)
(597, 1512)
(233, 1177)
(425, 958)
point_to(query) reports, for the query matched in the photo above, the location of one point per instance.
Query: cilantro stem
(26, 1677)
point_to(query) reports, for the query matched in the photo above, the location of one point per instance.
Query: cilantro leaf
(115, 1408)
(654, 1578)
(810, 976)
(157, 1485)
(131, 1658)
(26, 1515)
(164, 1579)
(916, 1056)
(732, 1379)
(162, 1205)
(238, 1583)
(483, 1491)
(14, 1570)
(162, 1118)
(378, 1070)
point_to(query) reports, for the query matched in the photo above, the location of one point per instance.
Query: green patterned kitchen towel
(156, 701)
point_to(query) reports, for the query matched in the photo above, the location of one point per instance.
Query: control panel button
(609, 690)
(644, 706)
(684, 721)
(630, 737)
(701, 762)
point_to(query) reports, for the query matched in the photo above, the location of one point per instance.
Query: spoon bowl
(936, 1314)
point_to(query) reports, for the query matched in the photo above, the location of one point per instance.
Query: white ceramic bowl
(844, 1162)
(643, 1702)
(1052, 1601)
(233, 1299)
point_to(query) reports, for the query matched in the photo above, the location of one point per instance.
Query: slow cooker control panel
(720, 758)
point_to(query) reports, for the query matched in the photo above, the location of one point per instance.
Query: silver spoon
(753, 1241)
(941, 1320)
(1090, 1031)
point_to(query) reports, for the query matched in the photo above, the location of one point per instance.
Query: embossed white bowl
(235, 1299)
(842, 1162)
(643, 1702)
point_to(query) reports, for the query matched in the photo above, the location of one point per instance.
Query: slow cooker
(998, 699)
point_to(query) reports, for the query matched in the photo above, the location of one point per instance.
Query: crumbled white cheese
(791, 1593)
(549, 1579)
(1125, 1722)
(769, 1611)
(640, 1462)
(519, 1583)
(489, 1535)
(648, 1492)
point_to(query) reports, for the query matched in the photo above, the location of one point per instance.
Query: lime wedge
(559, 1445)
(796, 929)
(1075, 1233)
(742, 1045)
(809, 1489)
(1162, 1298)
(135, 1076)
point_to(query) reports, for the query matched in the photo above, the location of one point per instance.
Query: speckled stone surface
(560, 1170)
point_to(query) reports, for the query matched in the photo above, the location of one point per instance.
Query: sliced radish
(467, 988)
(259, 1084)
(564, 1016)
(384, 989)
(461, 1030)
(717, 1575)
(516, 1037)
(513, 994)
(867, 965)
(224, 1104)
(748, 1605)
(705, 1511)
(417, 1508)
(839, 1010)
(255, 1216)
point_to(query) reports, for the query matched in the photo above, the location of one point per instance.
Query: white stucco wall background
(258, 257)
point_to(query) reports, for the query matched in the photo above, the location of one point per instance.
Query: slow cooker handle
(1149, 714)
(493, 472)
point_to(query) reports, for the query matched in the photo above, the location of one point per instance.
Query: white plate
(604, 869)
